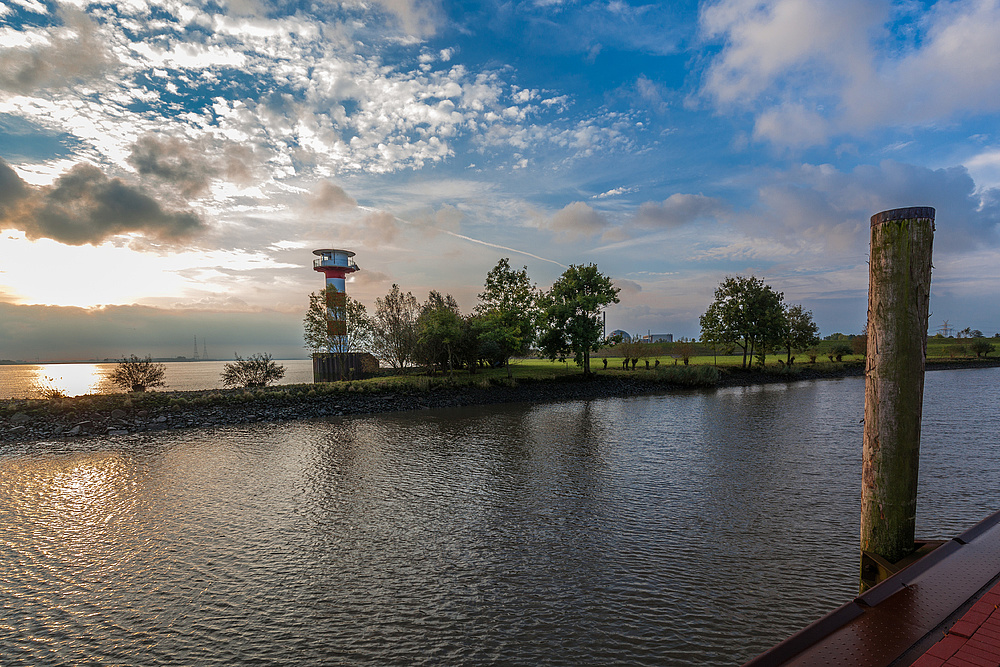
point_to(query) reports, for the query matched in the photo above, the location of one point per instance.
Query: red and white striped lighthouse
(335, 265)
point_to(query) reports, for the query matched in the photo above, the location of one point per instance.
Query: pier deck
(942, 610)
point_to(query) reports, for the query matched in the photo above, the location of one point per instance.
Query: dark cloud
(85, 206)
(12, 190)
(75, 52)
(187, 167)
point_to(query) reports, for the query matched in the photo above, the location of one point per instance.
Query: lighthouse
(335, 265)
(338, 362)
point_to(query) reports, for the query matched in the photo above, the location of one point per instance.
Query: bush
(257, 370)
(982, 347)
(135, 374)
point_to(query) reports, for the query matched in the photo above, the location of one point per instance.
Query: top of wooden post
(911, 213)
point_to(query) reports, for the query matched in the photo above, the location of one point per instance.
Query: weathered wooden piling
(898, 297)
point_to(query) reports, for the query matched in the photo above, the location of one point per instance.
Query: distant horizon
(44, 362)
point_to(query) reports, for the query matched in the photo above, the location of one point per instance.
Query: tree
(394, 325)
(439, 331)
(135, 374)
(257, 370)
(746, 313)
(336, 324)
(798, 330)
(686, 350)
(633, 349)
(511, 302)
(571, 314)
(498, 338)
(477, 344)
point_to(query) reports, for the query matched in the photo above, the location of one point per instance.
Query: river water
(34, 380)
(698, 527)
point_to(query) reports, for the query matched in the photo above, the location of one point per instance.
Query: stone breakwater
(277, 406)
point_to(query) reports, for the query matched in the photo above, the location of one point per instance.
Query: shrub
(256, 371)
(982, 347)
(135, 374)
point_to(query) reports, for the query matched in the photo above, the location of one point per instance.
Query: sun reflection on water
(48, 380)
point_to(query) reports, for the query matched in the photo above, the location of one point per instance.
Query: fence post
(898, 297)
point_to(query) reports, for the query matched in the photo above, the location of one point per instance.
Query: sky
(167, 167)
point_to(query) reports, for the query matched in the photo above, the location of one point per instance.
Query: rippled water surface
(696, 527)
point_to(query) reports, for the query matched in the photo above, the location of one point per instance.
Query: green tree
(394, 327)
(439, 331)
(746, 313)
(476, 343)
(798, 330)
(510, 302)
(135, 374)
(257, 370)
(498, 338)
(571, 314)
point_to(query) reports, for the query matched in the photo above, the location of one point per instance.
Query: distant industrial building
(626, 338)
(658, 338)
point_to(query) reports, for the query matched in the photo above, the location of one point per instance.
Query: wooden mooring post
(898, 297)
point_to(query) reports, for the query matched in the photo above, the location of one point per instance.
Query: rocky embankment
(39, 423)
(24, 421)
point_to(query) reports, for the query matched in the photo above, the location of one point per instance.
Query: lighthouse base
(333, 367)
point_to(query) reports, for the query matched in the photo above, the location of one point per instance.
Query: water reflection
(48, 380)
(43, 380)
(692, 528)
(74, 379)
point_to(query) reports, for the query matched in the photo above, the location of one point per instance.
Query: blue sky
(167, 167)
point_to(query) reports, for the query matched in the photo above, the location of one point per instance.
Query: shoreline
(35, 420)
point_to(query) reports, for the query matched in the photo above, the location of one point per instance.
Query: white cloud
(984, 168)
(614, 192)
(811, 69)
(578, 220)
(679, 209)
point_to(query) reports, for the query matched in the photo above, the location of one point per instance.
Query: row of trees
(512, 315)
(750, 315)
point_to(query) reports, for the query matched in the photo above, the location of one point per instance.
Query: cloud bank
(85, 206)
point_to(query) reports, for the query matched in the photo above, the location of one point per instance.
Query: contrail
(470, 239)
(501, 247)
